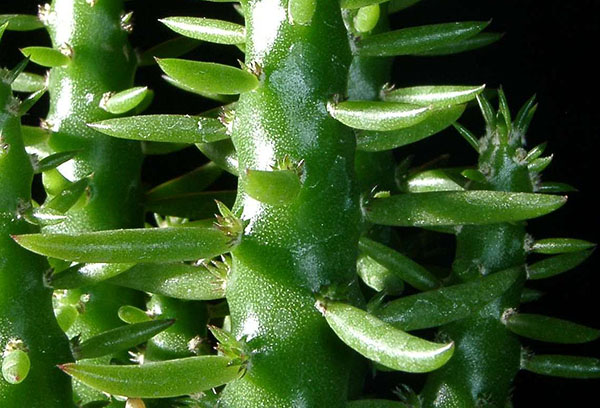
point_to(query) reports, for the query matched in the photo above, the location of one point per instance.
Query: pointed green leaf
(2, 29)
(436, 121)
(131, 314)
(163, 128)
(549, 329)
(55, 160)
(553, 246)
(208, 95)
(487, 110)
(66, 316)
(536, 152)
(127, 246)
(179, 281)
(20, 22)
(33, 135)
(124, 101)
(192, 205)
(173, 48)
(444, 95)
(381, 342)
(222, 153)
(377, 276)
(433, 180)
(477, 41)
(380, 116)
(356, 4)
(68, 197)
(404, 267)
(209, 77)
(398, 5)
(556, 264)
(46, 57)
(529, 295)
(28, 82)
(552, 187)
(375, 403)
(525, 113)
(467, 135)
(81, 275)
(414, 40)
(206, 29)
(276, 187)
(474, 175)
(163, 379)
(445, 305)
(31, 100)
(563, 366)
(195, 181)
(540, 164)
(504, 109)
(459, 208)
(119, 339)
(366, 18)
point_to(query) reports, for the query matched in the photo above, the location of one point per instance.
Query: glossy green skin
(290, 252)
(103, 61)
(487, 355)
(25, 304)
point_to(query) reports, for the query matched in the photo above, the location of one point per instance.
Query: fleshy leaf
(180, 281)
(89, 274)
(445, 305)
(46, 57)
(55, 160)
(276, 187)
(553, 246)
(563, 366)
(206, 29)
(164, 128)
(381, 342)
(15, 366)
(415, 40)
(432, 180)
(404, 267)
(355, 4)
(119, 339)
(436, 121)
(28, 82)
(444, 95)
(549, 329)
(556, 264)
(172, 48)
(21, 22)
(459, 208)
(131, 314)
(209, 77)
(382, 116)
(377, 276)
(68, 197)
(163, 379)
(552, 187)
(222, 153)
(130, 246)
(477, 41)
(124, 101)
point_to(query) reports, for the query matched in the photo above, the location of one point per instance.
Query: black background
(549, 48)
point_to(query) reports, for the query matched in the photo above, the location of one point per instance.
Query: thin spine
(295, 357)
(25, 302)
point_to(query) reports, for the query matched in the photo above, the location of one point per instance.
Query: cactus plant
(308, 277)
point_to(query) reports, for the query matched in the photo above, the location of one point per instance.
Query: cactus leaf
(553, 187)
(89, 274)
(131, 314)
(222, 153)
(377, 276)
(20, 22)
(28, 82)
(31, 100)
(176, 280)
(432, 180)
(540, 164)
(381, 342)
(530, 295)
(436, 121)
(172, 48)
(133, 245)
(2, 29)
(163, 128)
(406, 269)
(444, 95)
(549, 329)
(15, 366)
(123, 101)
(46, 57)
(276, 187)
(477, 41)
(55, 160)
(380, 116)
(467, 135)
(209, 77)
(525, 115)
(459, 208)
(553, 246)
(445, 305)
(414, 40)
(206, 29)
(474, 175)
(563, 366)
(556, 264)
(366, 18)
(68, 197)
(536, 152)
(33, 135)
(119, 339)
(163, 379)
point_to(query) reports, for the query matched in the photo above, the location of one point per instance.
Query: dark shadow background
(548, 49)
